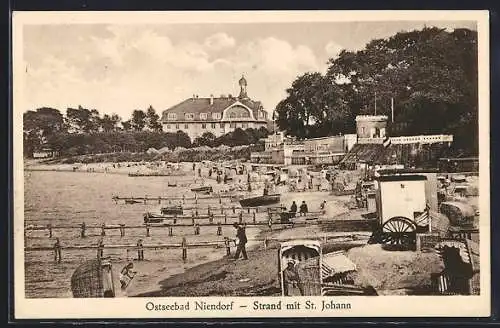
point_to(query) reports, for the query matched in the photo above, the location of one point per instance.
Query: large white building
(219, 116)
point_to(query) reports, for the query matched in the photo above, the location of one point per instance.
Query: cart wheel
(399, 231)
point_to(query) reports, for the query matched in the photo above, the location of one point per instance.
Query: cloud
(219, 41)
(129, 68)
(333, 49)
(276, 56)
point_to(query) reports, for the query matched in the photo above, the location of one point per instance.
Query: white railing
(423, 139)
(375, 141)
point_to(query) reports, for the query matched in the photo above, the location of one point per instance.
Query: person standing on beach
(303, 208)
(242, 240)
(293, 208)
(291, 280)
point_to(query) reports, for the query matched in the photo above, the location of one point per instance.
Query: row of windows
(213, 126)
(190, 116)
(215, 116)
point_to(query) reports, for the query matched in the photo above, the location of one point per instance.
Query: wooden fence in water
(139, 247)
(194, 223)
(169, 199)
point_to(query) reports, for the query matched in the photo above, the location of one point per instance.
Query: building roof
(202, 105)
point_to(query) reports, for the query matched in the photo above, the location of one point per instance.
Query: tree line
(430, 76)
(84, 131)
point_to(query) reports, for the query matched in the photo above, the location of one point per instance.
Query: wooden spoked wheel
(399, 231)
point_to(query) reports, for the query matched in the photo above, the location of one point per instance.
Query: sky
(116, 68)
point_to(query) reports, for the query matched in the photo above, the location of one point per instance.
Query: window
(186, 126)
(216, 116)
(245, 125)
(222, 125)
(177, 126)
(213, 125)
(232, 125)
(189, 116)
(168, 126)
(204, 126)
(203, 116)
(172, 116)
(363, 129)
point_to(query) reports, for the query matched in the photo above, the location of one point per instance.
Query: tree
(138, 121)
(80, 120)
(127, 125)
(182, 139)
(429, 73)
(314, 107)
(39, 126)
(153, 120)
(206, 139)
(110, 123)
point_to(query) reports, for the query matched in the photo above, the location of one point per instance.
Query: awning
(335, 263)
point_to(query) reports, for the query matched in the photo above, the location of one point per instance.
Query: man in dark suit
(242, 240)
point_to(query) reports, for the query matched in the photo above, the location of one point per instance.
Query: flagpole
(392, 109)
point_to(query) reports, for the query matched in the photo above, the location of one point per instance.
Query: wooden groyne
(183, 198)
(139, 247)
(210, 227)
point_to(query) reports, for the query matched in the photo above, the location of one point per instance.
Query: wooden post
(57, 251)
(228, 247)
(208, 210)
(192, 220)
(221, 210)
(254, 219)
(184, 249)
(196, 213)
(82, 232)
(183, 198)
(145, 197)
(257, 210)
(103, 231)
(210, 218)
(240, 217)
(147, 229)
(248, 209)
(234, 210)
(140, 250)
(270, 222)
(225, 218)
(170, 231)
(100, 249)
(266, 243)
(219, 229)
(122, 230)
(159, 199)
(196, 229)
(220, 199)
(49, 226)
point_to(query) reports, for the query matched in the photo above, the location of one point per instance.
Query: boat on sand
(260, 200)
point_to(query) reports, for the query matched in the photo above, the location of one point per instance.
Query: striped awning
(335, 263)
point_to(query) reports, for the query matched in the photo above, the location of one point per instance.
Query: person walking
(242, 240)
